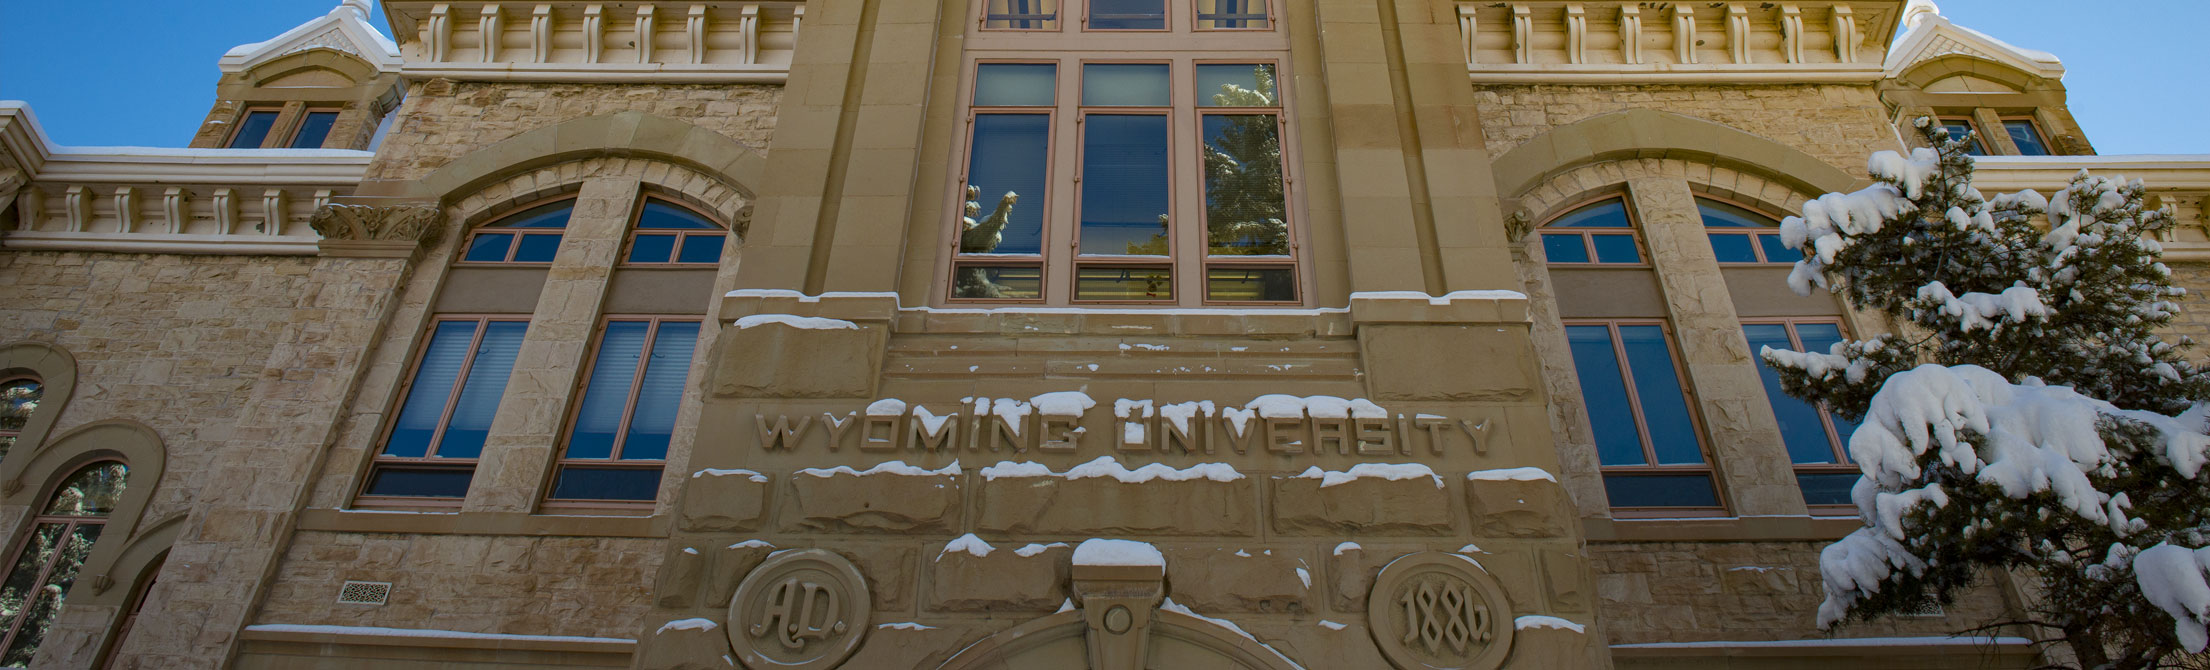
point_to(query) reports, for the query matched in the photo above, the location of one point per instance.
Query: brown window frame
(629, 409)
(1083, 260)
(1979, 135)
(1058, 18)
(1167, 23)
(239, 124)
(300, 123)
(1842, 463)
(29, 530)
(1273, 17)
(2031, 122)
(429, 460)
(637, 215)
(1752, 233)
(1060, 261)
(1632, 231)
(1642, 428)
(468, 241)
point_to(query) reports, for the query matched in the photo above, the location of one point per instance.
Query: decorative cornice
(1628, 41)
(699, 41)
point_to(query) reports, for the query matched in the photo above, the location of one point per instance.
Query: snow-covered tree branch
(2028, 418)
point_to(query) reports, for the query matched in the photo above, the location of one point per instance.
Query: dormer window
(2026, 136)
(253, 129)
(314, 128)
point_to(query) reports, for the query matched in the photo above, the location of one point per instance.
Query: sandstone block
(1518, 508)
(729, 566)
(780, 361)
(680, 577)
(889, 570)
(1447, 362)
(1240, 580)
(686, 644)
(844, 502)
(1366, 506)
(1105, 507)
(1547, 644)
(724, 501)
(1003, 581)
(1566, 574)
(1352, 570)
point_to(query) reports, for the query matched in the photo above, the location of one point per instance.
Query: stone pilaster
(1744, 438)
(520, 447)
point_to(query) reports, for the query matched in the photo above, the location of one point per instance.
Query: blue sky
(141, 72)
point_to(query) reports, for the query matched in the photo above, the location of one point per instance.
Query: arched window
(1739, 235)
(669, 234)
(1597, 233)
(19, 397)
(531, 235)
(46, 563)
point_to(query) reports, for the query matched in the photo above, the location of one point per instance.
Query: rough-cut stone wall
(443, 119)
(239, 364)
(584, 586)
(1696, 591)
(1837, 123)
(2194, 309)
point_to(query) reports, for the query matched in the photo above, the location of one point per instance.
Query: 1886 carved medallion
(1439, 610)
(804, 609)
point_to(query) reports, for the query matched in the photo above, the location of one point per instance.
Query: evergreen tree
(2045, 429)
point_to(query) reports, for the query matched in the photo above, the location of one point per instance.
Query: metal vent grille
(364, 593)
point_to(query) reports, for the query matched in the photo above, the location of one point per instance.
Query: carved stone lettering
(806, 609)
(1440, 610)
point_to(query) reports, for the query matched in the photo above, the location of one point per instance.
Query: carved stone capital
(373, 231)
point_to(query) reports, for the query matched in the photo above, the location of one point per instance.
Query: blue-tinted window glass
(537, 249)
(1733, 248)
(1721, 215)
(1124, 184)
(313, 130)
(2026, 138)
(1610, 413)
(480, 393)
(550, 215)
(1776, 252)
(488, 248)
(1231, 14)
(1826, 488)
(420, 482)
(419, 414)
(1127, 15)
(1615, 249)
(1011, 157)
(253, 130)
(651, 248)
(700, 249)
(663, 216)
(599, 415)
(1237, 85)
(1565, 248)
(1658, 386)
(1015, 84)
(1821, 337)
(1125, 84)
(1660, 490)
(588, 483)
(661, 392)
(1800, 426)
(1960, 129)
(1606, 214)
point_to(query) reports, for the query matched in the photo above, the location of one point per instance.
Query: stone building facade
(978, 334)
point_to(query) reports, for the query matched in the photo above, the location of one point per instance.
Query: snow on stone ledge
(800, 322)
(1105, 466)
(1512, 475)
(715, 472)
(1443, 299)
(886, 468)
(1281, 406)
(687, 624)
(1383, 471)
(1532, 621)
(801, 297)
(1100, 551)
(446, 634)
(903, 625)
(967, 544)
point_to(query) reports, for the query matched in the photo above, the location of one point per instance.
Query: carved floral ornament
(1440, 610)
(803, 609)
(402, 223)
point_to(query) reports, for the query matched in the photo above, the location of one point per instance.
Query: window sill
(453, 522)
(1722, 529)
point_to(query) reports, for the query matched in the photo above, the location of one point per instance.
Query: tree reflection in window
(18, 399)
(46, 565)
(1246, 213)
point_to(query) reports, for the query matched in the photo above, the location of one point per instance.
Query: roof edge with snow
(345, 28)
(1932, 36)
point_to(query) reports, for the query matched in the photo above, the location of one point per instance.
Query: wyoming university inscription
(1052, 423)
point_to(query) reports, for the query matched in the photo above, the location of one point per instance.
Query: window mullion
(460, 383)
(636, 390)
(1634, 397)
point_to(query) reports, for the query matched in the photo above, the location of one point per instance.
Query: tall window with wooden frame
(1743, 236)
(529, 235)
(19, 398)
(670, 234)
(430, 448)
(1103, 167)
(314, 128)
(1649, 438)
(253, 127)
(47, 559)
(1597, 233)
(618, 434)
(1817, 440)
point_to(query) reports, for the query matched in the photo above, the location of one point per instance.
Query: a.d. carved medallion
(1439, 610)
(804, 609)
